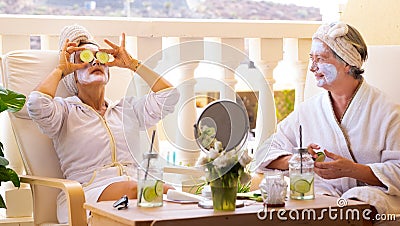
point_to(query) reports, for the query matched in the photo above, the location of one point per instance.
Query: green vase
(224, 192)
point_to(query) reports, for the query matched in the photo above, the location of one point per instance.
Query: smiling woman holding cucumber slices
(86, 128)
(353, 123)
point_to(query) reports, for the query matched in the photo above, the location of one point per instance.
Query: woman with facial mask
(353, 123)
(90, 133)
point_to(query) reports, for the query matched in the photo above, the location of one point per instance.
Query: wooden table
(325, 209)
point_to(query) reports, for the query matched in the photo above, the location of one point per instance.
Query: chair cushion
(16, 76)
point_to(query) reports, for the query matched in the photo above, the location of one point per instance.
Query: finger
(324, 173)
(331, 155)
(75, 48)
(64, 48)
(318, 171)
(109, 51)
(111, 44)
(111, 64)
(72, 44)
(311, 152)
(323, 165)
(314, 146)
(310, 149)
(66, 44)
(78, 66)
(122, 44)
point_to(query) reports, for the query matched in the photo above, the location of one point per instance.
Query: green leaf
(7, 174)
(3, 161)
(2, 203)
(10, 100)
(4, 174)
(14, 177)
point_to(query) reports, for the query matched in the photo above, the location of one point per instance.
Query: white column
(301, 72)
(232, 55)
(146, 51)
(266, 53)
(303, 58)
(182, 56)
(49, 42)
(187, 116)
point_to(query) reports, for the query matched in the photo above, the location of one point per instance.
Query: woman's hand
(121, 57)
(64, 63)
(311, 148)
(339, 167)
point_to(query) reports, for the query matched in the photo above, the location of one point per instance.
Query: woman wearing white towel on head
(88, 130)
(352, 122)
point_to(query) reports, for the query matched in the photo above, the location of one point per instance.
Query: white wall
(377, 20)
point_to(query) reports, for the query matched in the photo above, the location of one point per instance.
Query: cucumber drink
(152, 192)
(301, 174)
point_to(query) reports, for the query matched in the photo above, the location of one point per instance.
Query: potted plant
(12, 102)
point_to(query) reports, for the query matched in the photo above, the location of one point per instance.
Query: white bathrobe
(370, 129)
(94, 150)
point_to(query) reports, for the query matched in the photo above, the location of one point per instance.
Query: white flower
(218, 145)
(213, 153)
(245, 159)
(202, 160)
(225, 159)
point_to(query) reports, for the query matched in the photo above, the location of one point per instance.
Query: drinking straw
(301, 137)
(301, 151)
(148, 164)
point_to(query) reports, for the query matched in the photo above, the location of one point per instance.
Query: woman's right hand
(311, 147)
(64, 63)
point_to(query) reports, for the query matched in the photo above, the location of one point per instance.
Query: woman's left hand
(121, 57)
(339, 167)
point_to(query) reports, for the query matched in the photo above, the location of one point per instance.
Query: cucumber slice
(159, 188)
(301, 186)
(102, 57)
(149, 194)
(321, 157)
(86, 56)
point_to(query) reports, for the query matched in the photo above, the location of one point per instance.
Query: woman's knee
(118, 189)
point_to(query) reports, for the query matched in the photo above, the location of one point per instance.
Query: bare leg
(116, 190)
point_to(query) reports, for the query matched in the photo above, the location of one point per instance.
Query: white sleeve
(47, 112)
(152, 107)
(279, 144)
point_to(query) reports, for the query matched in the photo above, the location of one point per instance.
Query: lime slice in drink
(102, 57)
(321, 157)
(149, 194)
(301, 186)
(159, 188)
(86, 56)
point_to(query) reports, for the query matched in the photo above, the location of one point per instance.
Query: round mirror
(224, 120)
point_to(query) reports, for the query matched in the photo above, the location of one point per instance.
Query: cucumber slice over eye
(149, 194)
(102, 57)
(86, 56)
(321, 157)
(158, 187)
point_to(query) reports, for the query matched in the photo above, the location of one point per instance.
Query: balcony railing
(265, 42)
